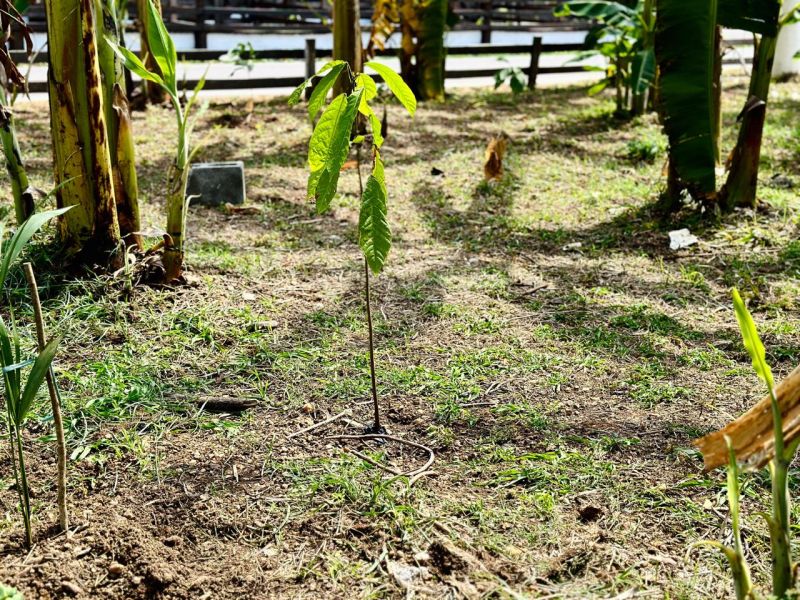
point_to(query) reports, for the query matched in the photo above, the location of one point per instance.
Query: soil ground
(538, 334)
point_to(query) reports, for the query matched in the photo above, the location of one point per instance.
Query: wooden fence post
(200, 33)
(536, 54)
(311, 63)
(486, 27)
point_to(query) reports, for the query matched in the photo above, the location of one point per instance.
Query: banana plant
(82, 157)
(118, 121)
(688, 101)
(422, 27)
(624, 36)
(330, 145)
(165, 76)
(783, 452)
(20, 393)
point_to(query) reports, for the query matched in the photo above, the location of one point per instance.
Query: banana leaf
(755, 16)
(684, 44)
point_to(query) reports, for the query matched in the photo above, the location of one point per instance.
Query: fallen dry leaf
(493, 163)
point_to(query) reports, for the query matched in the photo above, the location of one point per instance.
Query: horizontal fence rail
(205, 17)
(311, 53)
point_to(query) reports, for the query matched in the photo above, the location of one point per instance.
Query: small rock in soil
(73, 589)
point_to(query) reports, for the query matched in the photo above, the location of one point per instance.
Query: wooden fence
(310, 55)
(204, 17)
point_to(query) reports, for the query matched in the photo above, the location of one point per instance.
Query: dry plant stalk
(61, 447)
(751, 435)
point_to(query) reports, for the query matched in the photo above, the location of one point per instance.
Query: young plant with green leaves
(624, 36)
(517, 80)
(333, 137)
(165, 75)
(740, 438)
(20, 392)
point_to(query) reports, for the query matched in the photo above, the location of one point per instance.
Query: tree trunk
(431, 50)
(740, 187)
(118, 121)
(670, 200)
(153, 92)
(81, 156)
(347, 44)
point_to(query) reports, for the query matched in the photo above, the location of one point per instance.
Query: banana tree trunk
(740, 187)
(408, 45)
(81, 156)
(431, 50)
(422, 51)
(23, 199)
(176, 219)
(153, 92)
(177, 203)
(347, 43)
(118, 122)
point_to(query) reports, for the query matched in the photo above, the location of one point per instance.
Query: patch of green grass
(559, 472)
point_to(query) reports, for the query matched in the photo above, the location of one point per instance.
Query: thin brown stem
(376, 425)
(61, 447)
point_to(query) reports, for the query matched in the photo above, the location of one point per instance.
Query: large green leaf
(684, 47)
(756, 16)
(396, 84)
(643, 70)
(12, 248)
(374, 235)
(161, 45)
(329, 147)
(321, 90)
(133, 64)
(751, 340)
(35, 378)
(295, 96)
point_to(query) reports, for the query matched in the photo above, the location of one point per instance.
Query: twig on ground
(374, 463)
(380, 436)
(320, 424)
